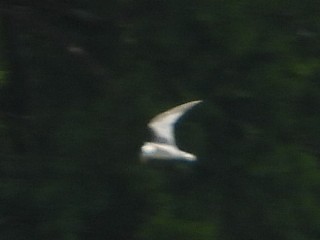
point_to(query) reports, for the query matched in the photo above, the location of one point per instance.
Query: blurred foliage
(79, 80)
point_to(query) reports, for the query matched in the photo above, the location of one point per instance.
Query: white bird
(163, 146)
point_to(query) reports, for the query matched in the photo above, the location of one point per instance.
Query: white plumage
(164, 145)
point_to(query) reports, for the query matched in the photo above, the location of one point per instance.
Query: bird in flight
(163, 146)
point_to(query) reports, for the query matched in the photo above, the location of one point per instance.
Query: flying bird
(163, 146)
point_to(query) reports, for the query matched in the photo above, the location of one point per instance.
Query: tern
(163, 146)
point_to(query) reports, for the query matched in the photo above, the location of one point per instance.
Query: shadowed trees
(79, 81)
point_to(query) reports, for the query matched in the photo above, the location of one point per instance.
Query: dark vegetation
(79, 80)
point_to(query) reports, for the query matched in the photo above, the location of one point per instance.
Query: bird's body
(164, 147)
(163, 151)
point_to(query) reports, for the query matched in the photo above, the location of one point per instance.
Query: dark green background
(79, 81)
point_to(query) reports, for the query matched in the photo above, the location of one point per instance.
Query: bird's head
(147, 150)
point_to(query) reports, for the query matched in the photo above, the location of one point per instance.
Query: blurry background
(79, 80)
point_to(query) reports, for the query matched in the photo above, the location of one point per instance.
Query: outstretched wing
(162, 125)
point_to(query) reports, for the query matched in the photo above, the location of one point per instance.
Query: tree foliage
(79, 80)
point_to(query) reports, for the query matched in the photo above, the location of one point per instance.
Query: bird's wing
(162, 125)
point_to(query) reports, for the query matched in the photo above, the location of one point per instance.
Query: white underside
(162, 151)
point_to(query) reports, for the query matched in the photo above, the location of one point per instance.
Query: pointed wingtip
(181, 108)
(197, 101)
